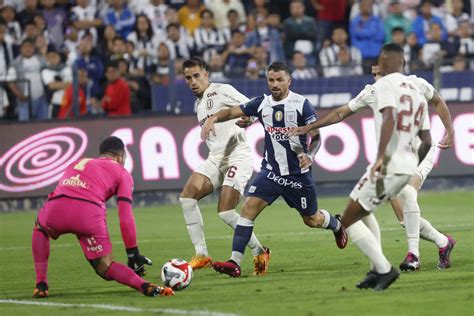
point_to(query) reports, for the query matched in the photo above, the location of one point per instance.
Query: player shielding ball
(406, 206)
(77, 206)
(286, 168)
(400, 111)
(229, 165)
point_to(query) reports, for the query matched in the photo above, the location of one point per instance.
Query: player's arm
(442, 110)
(306, 160)
(388, 124)
(128, 229)
(425, 145)
(333, 117)
(221, 116)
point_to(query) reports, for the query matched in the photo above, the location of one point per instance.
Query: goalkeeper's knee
(100, 268)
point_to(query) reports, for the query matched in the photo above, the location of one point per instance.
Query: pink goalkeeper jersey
(95, 180)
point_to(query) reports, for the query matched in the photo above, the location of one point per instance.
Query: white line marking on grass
(118, 308)
(303, 233)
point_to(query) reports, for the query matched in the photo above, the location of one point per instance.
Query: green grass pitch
(308, 274)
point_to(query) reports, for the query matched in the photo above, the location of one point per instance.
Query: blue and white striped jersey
(277, 117)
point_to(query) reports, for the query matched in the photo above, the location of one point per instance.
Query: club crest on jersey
(290, 116)
(278, 115)
(209, 104)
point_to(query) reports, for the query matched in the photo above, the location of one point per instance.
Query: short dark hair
(112, 64)
(112, 145)
(195, 61)
(398, 29)
(27, 41)
(392, 48)
(208, 12)
(279, 66)
(118, 38)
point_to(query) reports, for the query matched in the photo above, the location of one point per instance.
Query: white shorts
(424, 168)
(234, 172)
(371, 194)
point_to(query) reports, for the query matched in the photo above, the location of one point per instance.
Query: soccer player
(286, 168)
(415, 225)
(77, 206)
(399, 113)
(229, 165)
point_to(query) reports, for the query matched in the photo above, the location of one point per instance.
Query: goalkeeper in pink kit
(77, 206)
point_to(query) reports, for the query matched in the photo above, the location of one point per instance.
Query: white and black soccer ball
(177, 274)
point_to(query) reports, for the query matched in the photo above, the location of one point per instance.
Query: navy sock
(242, 236)
(334, 224)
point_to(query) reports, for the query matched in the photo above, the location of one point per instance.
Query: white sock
(428, 232)
(231, 218)
(411, 218)
(371, 222)
(365, 240)
(194, 224)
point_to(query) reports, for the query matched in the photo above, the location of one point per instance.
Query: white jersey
(229, 139)
(368, 98)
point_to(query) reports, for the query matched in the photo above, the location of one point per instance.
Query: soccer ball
(177, 274)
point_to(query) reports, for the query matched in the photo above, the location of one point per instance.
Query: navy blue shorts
(298, 191)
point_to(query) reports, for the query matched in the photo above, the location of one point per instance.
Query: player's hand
(447, 141)
(305, 160)
(207, 128)
(166, 291)
(244, 121)
(376, 170)
(137, 262)
(296, 131)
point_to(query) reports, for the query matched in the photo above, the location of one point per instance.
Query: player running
(286, 168)
(415, 225)
(77, 206)
(229, 165)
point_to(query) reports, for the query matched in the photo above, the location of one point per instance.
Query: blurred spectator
(300, 32)
(140, 96)
(107, 42)
(207, 38)
(41, 27)
(329, 56)
(300, 68)
(24, 76)
(466, 42)
(116, 100)
(93, 64)
(172, 18)
(41, 46)
(366, 34)
(330, 14)
(85, 18)
(261, 55)
(119, 50)
(414, 51)
(156, 13)
(266, 37)
(234, 24)
(71, 44)
(274, 20)
(252, 72)
(6, 57)
(216, 69)
(13, 27)
(57, 76)
(236, 56)
(421, 25)
(221, 9)
(378, 8)
(162, 66)
(451, 20)
(146, 43)
(56, 21)
(436, 46)
(121, 17)
(396, 19)
(189, 15)
(398, 37)
(259, 7)
(132, 61)
(66, 110)
(179, 46)
(137, 6)
(28, 13)
(459, 63)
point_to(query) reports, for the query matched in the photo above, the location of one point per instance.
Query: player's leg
(411, 218)
(110, 270)
(373, 225)
(197, 187)
(41, 249)
(242, 234)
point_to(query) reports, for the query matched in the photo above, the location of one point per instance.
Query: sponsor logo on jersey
(278, 133)
(278, 115)
(211, 94)
(75, 182)
(201, 122)
(209, 104)
(283, 181)
(93, 246)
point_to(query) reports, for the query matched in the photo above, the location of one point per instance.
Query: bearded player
(77, 206)
(229, 165)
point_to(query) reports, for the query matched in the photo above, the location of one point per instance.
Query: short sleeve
(47, 76)
(251, 108)
(309, 114)
(125, 188)
(233, 97)
(11, 74)
(426, 88)
(365, 98)
(385, 95)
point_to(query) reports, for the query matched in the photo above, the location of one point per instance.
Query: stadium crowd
(117, 49)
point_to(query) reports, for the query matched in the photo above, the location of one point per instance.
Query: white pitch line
(118, 308)
(303, 233)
